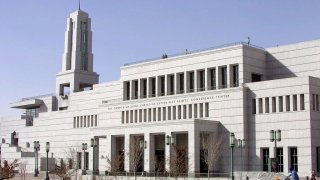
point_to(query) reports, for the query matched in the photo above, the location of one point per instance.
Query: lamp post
(241, 145)
(170, 140)
(84, 148)
(232, 144)
(93, 143)
(36, 147)
(47, 170)
(275, 136)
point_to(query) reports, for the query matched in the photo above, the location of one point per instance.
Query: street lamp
(275, 136)
(170, 140)
(94, 144)
(241, 145)
(232, 144)
(143, 144)
(84, 148)
(36, 147)
(47, 150)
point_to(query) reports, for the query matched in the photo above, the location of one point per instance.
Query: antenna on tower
(79, 4)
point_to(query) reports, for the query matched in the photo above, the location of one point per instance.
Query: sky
(32, 34)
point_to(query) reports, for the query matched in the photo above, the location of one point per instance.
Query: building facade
(175, 102)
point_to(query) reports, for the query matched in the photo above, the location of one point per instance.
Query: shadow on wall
(276, 69)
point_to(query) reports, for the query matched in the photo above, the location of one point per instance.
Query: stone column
(193, 152)
(126, 152)
(206, 82)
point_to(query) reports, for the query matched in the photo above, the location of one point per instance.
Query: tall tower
(77, 61)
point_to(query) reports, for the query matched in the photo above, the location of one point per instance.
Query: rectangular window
(78, 122)
(149, 115)
(131, 116)
(280, 159)
(122, 117)
(96, 120)
(302, 102)
(207, 109)
(201, 110)
(84, 121)
(195, 111)
(143, 88)
(266, 104)
(174, 112)
(179, 112)
(294, 102)
(212, 78)
(127, 90)
(191, 81)
(287, 103)
(170, 84)
(127, 117)
(313, 102)
(265, 158)
(140, 115)
(169, 112)
(294, 158)
(74, 122)
(136, 116)
(159, 114)
(254, 107)
(256, 77)
(135, 89)
(224, 77)
(162, 86)
(81, 120)
(154, 114)
(280, 104)
(181, 83)
(145, 115)
(184, 111)
(190, 111)
(274, 104)
(260, 106)
(164, 113)
(235, 75)
(201, 79)
(152, 87)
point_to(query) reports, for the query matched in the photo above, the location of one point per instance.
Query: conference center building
(181, 105)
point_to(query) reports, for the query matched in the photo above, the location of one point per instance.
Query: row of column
(182, 82)
(295, 102)
(188, 111)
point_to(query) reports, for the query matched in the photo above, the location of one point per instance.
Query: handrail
(196, 51)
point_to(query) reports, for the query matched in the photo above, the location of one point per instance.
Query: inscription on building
(170, 102)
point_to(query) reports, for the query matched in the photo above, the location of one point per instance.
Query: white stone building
(239, 88)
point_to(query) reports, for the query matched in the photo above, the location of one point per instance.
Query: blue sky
(32, 34)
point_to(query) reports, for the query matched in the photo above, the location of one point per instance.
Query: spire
(79, 5)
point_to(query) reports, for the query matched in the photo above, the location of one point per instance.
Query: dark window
(87, 160)
(294, 158)
(318, 159)
(144, 88)
(127, 88)
(191, 81)
(235, 77)
(224, 77)
(135, 89)
(34, 112)
(181, 79)
(212, 73)
(255, 77)
(265, 159)
(254, 107)
(301, 101)
(202, 80)
(162, 84)
(280, 159)
(153, 87)
(78, 160)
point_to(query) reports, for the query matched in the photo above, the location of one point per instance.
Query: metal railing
(196, 51)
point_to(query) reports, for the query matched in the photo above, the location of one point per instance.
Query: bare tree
(68, 166)
(136, 154)
(115, 164)
(7, 170)
(22, 169)
(179, 160)
(211, 145)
